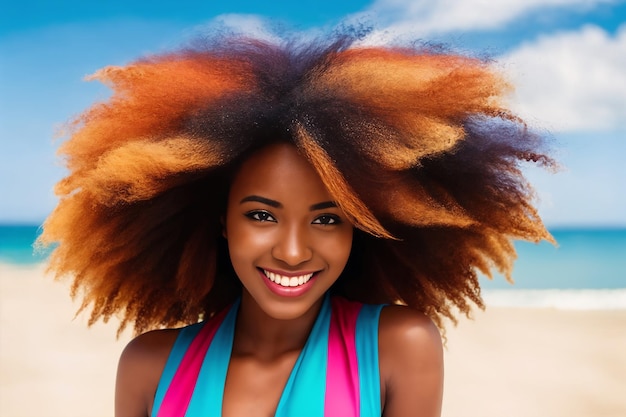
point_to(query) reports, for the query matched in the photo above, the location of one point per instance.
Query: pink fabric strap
(342, 375)
(178, 396)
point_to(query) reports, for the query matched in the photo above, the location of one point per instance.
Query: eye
(327, 219)
(260, 216)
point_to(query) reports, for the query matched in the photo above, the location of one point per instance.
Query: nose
(292, 246)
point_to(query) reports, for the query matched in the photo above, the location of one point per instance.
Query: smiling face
(287, 239)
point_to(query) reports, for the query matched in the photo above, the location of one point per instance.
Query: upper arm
(411, 363)
(139, 370)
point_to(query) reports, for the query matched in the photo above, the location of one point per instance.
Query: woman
(285, 192)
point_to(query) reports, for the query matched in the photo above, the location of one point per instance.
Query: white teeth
(287, 281)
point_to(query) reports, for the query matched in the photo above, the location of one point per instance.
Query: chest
(254, 387)
(335, 373)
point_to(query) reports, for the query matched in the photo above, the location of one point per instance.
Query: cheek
(237, 240)
(245, 242)
(339, 248)
(241, 251)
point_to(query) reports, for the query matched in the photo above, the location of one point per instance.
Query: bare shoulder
(149, 346)
(411, 363)
(412, 328)
(139, 370)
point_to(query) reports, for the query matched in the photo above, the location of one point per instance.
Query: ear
(223, 223)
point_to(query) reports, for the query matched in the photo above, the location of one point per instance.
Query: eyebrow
(259, 199)
(276, 204)
(322, 206)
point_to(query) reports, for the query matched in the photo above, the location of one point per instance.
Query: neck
(257, 334)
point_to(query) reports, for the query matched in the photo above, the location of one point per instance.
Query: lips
(281, 283)
(287, 281)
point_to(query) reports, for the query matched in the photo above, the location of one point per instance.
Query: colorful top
(335, 375)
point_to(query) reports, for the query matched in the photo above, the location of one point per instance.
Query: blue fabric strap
(303, 395)
(367, 356)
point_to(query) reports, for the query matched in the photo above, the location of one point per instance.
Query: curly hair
(413, 143)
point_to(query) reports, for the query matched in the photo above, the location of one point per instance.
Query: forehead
(278, 169)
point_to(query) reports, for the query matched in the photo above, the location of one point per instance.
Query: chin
(289, 308)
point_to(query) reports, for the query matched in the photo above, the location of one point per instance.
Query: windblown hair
(413, 143)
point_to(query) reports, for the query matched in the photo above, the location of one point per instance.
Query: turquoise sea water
(587, 268)
(585, 271)
(16, 244)
(583, 258)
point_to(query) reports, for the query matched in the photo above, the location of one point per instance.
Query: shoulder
(148, 348)
(407, 336)
(139, 370)
(411, 362)
(401, 323)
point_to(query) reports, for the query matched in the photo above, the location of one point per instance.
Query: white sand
(506, 363)
(537, 363)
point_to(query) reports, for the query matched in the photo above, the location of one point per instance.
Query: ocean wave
(563, 299)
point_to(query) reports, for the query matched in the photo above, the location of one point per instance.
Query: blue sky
(566, 57)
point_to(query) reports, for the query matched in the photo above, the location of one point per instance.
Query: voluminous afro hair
(413, 143)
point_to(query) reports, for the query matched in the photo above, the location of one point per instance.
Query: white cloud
(572, 81)
(428, 17)
(246, 24)
(255, 26)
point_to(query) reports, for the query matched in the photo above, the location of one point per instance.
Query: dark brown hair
(413, 143)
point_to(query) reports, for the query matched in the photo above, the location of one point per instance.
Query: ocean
(586, 270)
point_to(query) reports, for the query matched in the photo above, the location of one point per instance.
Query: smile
(285, 281)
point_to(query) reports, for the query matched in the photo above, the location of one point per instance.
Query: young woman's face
(288, 241)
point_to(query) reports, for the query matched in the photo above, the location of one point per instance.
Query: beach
(506, 362)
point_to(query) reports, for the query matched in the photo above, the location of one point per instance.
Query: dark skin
(303, 233)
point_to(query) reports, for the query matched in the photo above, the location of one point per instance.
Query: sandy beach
(507, 362)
